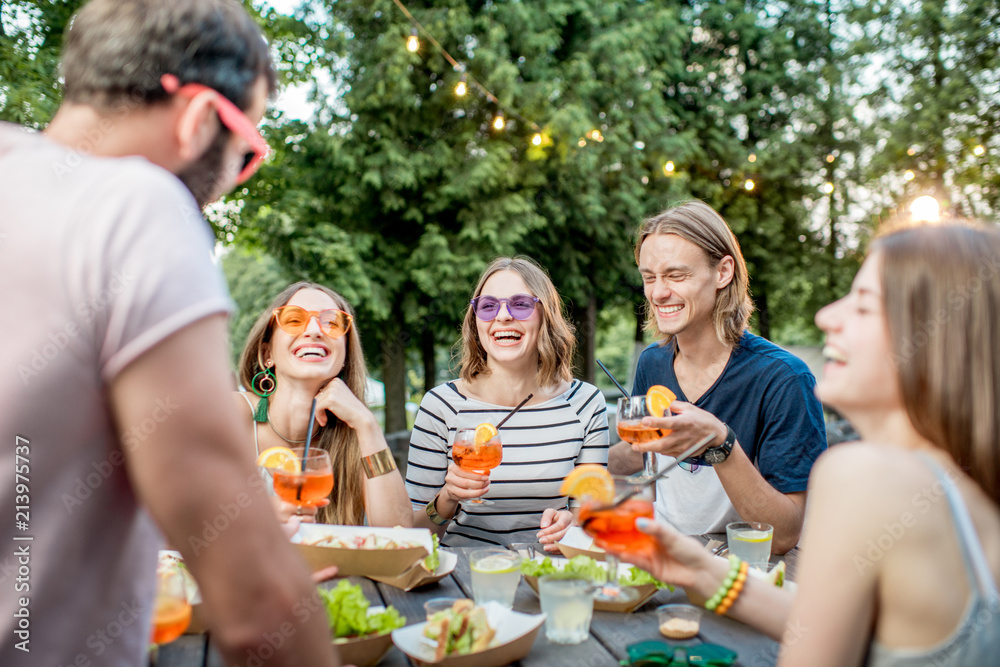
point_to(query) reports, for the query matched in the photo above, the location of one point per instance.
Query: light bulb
(749, 184)
(498, 122)
(830, 157)
(752, 157)
(909, 175)
(412, 44)
(827, 188)
(926, 208)
(537, 139)
(979, 150)
(461, 89)
(668, 167)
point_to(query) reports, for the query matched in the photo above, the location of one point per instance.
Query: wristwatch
(716, 455)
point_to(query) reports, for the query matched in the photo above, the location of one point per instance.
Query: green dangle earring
(267, 384)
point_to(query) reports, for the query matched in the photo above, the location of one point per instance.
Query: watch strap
(725, 449)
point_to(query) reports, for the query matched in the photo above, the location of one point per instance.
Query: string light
(668, 167)
(827, 188)
(749, 185)
(752, 158)
(925, 208)
(498, 121)
(979, 150)
(581, 143)
(911, 151)
(412, 43)
(830, 157)
(460, 88)
(909, 175)
(536, 140)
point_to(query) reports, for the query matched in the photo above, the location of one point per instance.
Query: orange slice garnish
(658, 400)
(485, 433)
(589, 481)
(280, 458)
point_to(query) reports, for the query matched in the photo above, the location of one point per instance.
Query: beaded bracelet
(734, 592)
(727, 583)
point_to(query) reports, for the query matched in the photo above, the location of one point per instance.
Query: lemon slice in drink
(658, 400)
(495, 565)
(279, 458)
(753, 536)
(589, 481)
(777, 575)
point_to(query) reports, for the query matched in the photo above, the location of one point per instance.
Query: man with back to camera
(734, 385)
(118, 394)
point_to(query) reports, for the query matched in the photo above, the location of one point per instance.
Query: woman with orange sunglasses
(305, 346)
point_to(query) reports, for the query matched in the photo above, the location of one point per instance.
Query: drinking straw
(608, 373)
(511, 414)
(305, 452)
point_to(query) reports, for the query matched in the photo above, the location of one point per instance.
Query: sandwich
(461, 630)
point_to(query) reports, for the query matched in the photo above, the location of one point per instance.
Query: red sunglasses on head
(231, 117)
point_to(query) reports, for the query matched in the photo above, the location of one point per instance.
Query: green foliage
(254, 280)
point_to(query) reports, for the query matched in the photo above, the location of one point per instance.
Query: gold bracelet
(432, 513)
(379, 463)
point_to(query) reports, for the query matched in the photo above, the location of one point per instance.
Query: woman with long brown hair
(901, 552)
(515, 343)
(303, 346)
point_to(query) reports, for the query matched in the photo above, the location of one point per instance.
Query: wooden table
(610, 633)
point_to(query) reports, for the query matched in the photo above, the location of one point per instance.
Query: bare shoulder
(878, 476)
(241, 398)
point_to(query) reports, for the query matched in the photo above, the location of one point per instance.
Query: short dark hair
(115, 51)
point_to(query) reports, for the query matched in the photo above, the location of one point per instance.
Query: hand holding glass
(479, 458)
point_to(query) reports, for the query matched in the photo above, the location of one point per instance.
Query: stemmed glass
(631, 410)
(171, 611)
(477, 457)
(613, 529)
(304, 485)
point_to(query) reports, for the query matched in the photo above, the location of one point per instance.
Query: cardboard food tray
(516, 633)
(418, 576)
(646, 591)
(362, 562)
(365, 651)
(578, 543)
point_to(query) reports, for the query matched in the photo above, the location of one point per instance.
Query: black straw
(519, 406)
(608, 373)
(309, 437)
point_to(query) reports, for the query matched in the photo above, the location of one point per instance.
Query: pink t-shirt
(100, 260)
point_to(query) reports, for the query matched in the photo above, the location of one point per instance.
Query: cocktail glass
(631, 410)
(613, 529)
(305, 486)
(475, 457)
(171, 611)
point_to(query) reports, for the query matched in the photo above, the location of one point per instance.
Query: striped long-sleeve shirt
(541, 445)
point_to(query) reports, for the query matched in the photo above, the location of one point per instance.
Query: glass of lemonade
(495, 575)
(751, 541)
(568, 605)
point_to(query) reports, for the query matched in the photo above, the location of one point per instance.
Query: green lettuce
(347, 611)
(586, 567)
(433, 560)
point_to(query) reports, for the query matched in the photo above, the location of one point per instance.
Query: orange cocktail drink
(634, 432)
(614, 527)
(303, 488)
(171, 618)
(477, 450)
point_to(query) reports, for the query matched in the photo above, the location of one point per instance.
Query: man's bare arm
(195, 474)
(622, 460)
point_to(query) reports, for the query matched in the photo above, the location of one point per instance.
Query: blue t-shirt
(766, 395)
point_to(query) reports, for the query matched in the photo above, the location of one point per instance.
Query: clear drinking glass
(496, 573)
(475, 457)
(751, 541)
(171, 611)
(631, 410)
(613, 529)
(306, 487)
(568, 605)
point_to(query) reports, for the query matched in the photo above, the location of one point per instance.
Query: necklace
(278, 433)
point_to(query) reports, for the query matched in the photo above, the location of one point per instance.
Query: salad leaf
(586, 567)
(433, 559)
(347, 611)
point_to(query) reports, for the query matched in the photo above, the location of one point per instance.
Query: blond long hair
(556, 340)
(697, 222)
(941, 295)
(340, 440)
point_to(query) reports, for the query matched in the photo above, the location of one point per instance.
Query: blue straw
(617, 384)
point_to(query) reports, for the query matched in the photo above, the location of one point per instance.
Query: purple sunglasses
(520, 306)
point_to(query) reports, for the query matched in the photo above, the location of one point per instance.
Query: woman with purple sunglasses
(515, 343)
